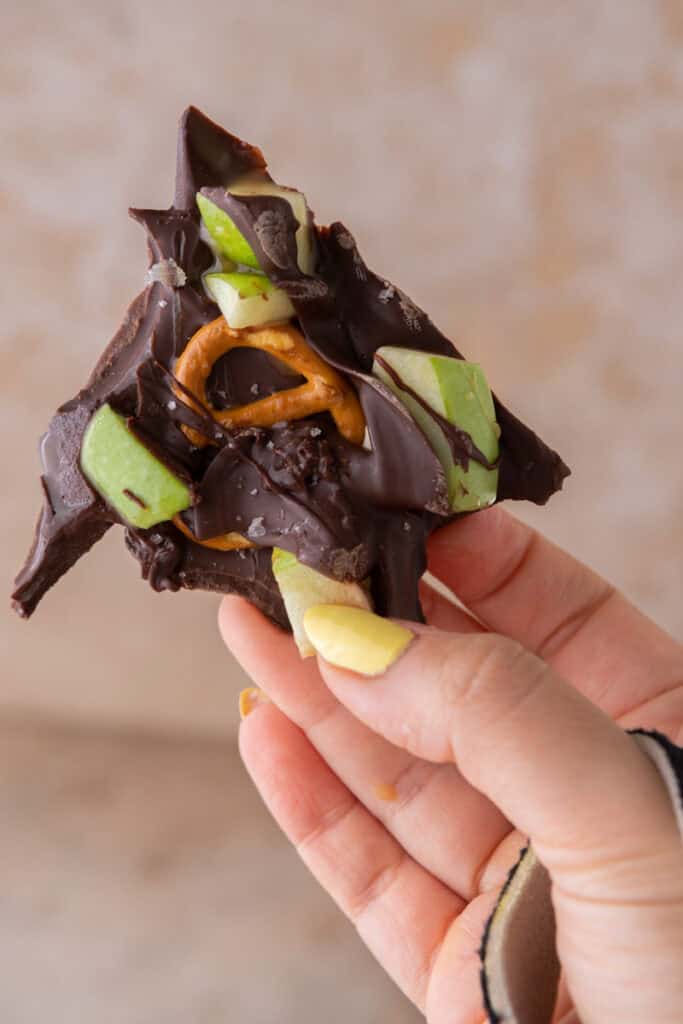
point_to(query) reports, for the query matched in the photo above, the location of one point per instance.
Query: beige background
(518, 169)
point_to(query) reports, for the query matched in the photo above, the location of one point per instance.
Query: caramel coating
(324, 390)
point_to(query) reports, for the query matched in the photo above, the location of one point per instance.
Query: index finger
(520, 584)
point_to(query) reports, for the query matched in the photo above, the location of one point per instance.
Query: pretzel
(224, 542)
(324, 390)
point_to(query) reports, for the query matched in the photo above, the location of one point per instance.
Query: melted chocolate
(346, 510)
(244, 375)
(134, 497)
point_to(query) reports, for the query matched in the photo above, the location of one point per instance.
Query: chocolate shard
(173, 237)
(73, 518)
(169, 563)
(208, 155)
(349, 511)
(529, 469)
(58, 543)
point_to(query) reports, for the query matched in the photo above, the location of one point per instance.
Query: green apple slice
(297, 200)
(248, 300)
(133, 481)
(302, 588)
(228, 240)
(458, 392)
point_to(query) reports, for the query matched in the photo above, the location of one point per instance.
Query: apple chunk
(297, 201)
(229, 241)
(248, 300)
(133, 481)
(457, 392)
(302, 588)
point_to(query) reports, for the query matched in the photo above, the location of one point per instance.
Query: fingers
(556, 766)
(521, 585)
(401, 912)
(434, 813)
(441, 611)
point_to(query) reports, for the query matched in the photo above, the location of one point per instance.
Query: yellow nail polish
(250, 699)
(385, 791)
(354, 638)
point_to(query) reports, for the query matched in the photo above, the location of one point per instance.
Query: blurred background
(518, 170)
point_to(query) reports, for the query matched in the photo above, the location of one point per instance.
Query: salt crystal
(162, 303)
(172, 406)
(255, 491)
(167, 272)
(256, 528)
(345, 240)
(315, 431)
(254, 389)
(406, 526)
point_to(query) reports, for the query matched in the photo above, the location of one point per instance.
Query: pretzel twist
(325, 390)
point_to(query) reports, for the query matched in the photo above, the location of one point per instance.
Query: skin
(496, 723)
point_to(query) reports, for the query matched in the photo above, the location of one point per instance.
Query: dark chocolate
(134, 497)
(349, 511)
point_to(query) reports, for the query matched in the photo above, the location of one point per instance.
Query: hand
(480, 741)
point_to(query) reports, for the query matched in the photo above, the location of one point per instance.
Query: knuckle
(489, 660)
(491, 678)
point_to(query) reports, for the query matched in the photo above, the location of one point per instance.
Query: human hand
(481, 742)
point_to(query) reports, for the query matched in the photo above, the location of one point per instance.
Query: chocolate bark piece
(346, 510)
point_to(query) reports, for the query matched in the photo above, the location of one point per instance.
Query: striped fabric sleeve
(519, 964)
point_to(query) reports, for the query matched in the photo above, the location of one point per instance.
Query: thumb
(557, 766)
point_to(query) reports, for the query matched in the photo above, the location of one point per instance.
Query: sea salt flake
(254, 389)
(172, 406)
(167, 272)
(305, 288)
(345, 240)
(256, 528)
(162, 303)
(254, 491)
(411, 312)
(315, 431)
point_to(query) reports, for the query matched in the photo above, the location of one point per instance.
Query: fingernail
(385, 791)
(354, 638)
(250, 699)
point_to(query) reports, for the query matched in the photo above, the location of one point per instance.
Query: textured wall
(516, 168)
